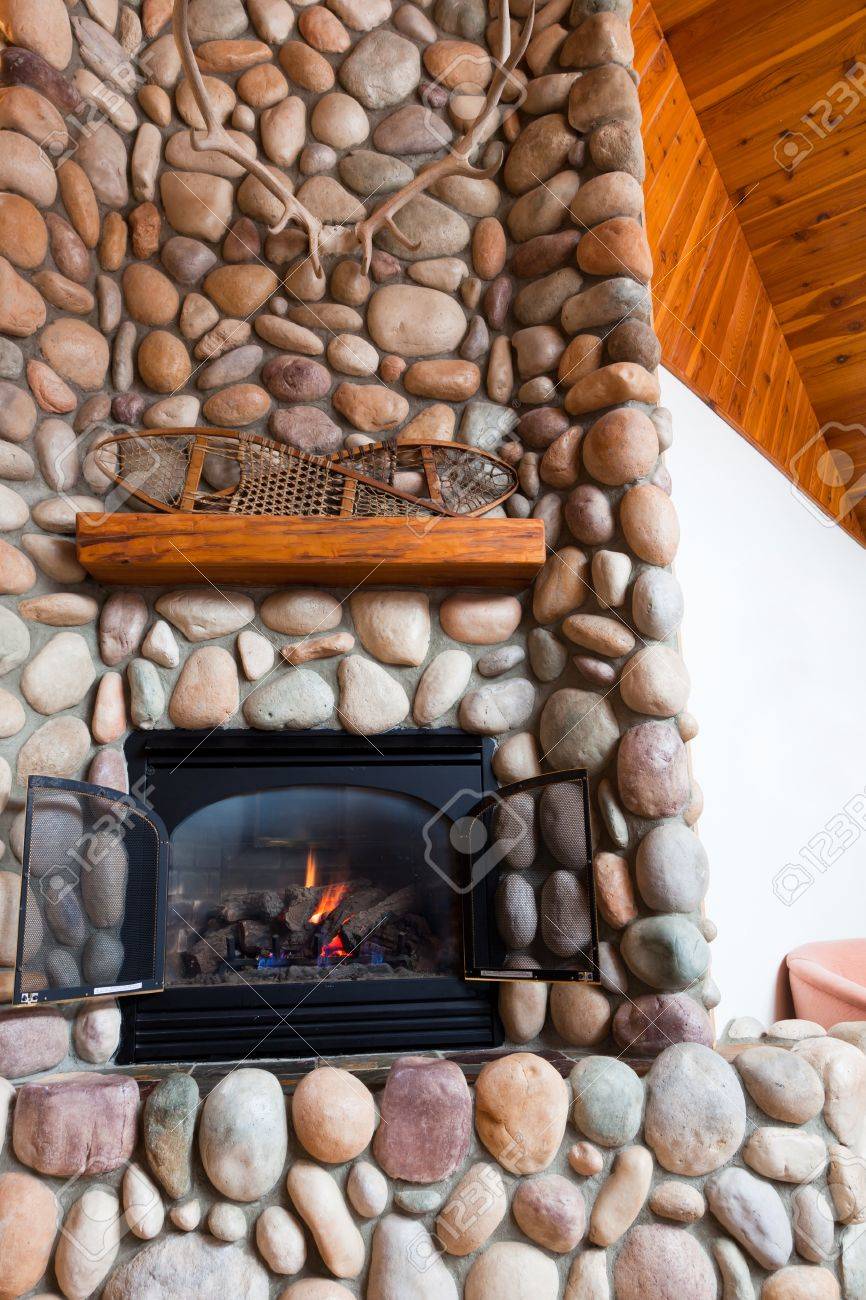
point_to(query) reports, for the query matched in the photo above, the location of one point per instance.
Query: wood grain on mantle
(266, 550)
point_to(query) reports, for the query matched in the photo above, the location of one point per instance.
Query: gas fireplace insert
(271, 895)
(311, 904)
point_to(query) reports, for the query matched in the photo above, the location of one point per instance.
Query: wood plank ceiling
(758, 223)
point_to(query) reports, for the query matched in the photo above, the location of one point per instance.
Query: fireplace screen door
(93, 893)
(530, 912)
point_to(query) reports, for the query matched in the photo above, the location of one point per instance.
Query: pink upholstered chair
(828, 980)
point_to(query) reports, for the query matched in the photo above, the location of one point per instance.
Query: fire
(310, 878)
(331, 898)
(329, 902)
(332, 951)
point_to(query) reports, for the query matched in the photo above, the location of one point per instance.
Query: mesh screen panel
(530, 911)
(156, 466)
(92, 894)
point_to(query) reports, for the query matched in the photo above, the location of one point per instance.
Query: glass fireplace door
(288, 884)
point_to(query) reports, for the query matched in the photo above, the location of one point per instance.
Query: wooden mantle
(267, 550)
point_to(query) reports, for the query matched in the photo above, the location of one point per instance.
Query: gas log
(355, 922)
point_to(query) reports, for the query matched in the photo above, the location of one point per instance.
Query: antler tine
(507, 63)
(217, 139)
(505, 30)
(456, 161)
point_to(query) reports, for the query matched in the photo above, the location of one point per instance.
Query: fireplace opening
(313, 899)
(305, 882)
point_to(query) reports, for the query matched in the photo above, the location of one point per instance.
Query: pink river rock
(657, 1260)
(652, 771)
(76, 1124)
(31, 1041)
(426, 1125)
(651, 1022)
(479, 619)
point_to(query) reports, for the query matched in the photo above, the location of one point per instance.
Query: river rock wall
(141, 287)
(736, 1173)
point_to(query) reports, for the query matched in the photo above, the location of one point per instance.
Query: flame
(333, 951)
(310, 878)
(332, 896)
(328, 903)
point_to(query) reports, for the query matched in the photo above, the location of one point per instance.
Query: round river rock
(521, 1110)
(243, 1135)
(672, 869)
(414, 321)
(578, 729)
(333, 1114)
(608, 1100)
(663, 1262)
(695, 1115)
(652, 770)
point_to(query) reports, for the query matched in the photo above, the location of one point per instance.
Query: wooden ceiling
(756, 203)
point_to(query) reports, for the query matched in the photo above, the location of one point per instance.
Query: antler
(457, 161)
(217, 138)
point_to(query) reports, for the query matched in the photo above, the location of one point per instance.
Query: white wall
(773, 635)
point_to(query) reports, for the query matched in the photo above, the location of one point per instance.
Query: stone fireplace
(518, 322)
(305, 895)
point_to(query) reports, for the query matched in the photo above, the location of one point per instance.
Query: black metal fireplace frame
(291, 1021)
